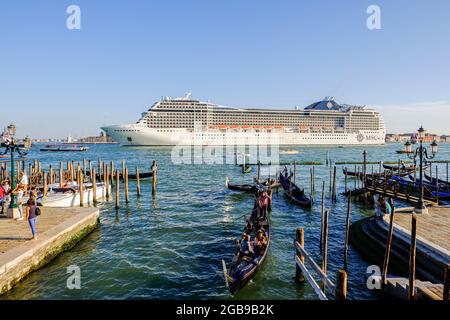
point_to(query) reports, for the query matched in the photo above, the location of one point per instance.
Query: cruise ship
(186, 121)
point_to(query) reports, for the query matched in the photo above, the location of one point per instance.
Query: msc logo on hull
(361, 137)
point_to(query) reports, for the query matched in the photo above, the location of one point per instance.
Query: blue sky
(56, 81)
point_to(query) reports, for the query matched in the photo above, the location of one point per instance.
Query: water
(171, 246)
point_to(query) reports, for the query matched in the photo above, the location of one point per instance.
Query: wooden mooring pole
(94, 186)
(347, 230)
(107, 181)
(331, 177)
(334, 198)
(313, 179)
(388, 248)
(127, 198)
(340, 291)
(138, 182)
(154, 170)
(412, 258)
(322, 217)
(325, 251)
(300, 238)
(346, 180)
(117, 188)
(44, 182)
(61, 175)
(80, 185)
(446, 293)
(123, 170)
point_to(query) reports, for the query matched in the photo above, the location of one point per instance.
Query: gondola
(430, 185)
(131, 176)
(443, 195)
(440, 181)
(411, 167)
(56, 148)
(374, 175)
(244, 268)
(249, 188)
(298, 196)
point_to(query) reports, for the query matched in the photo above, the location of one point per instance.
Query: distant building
(444, 138)
(103, 138)
(402, 137)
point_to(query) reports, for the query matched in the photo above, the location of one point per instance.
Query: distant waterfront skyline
(55, 82)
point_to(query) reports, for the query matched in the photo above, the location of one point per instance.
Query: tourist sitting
(260, 243)
(245, 246)
(384, 206)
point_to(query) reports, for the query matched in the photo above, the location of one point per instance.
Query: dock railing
(303, 258)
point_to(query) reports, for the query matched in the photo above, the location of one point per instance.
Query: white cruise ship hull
(140, 135)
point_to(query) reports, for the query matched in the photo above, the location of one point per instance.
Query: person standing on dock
(6, 186)
(2, 196)
(24, 181)
(19, 191)
(32, 213)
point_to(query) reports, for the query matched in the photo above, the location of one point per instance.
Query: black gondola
(249, 188)
(411, 167)
(297, 196)
(359, 174)
(440, 181)
(243, 268)
(131, 176)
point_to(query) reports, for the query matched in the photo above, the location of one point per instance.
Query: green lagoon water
(171, 246)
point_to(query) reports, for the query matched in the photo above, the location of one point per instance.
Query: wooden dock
(432, 258)
(399, 196)
(432, 228)
(425, 290)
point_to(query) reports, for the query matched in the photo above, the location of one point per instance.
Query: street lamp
(11, 147)
(422, 153)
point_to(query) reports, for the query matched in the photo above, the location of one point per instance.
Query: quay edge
(18, 262)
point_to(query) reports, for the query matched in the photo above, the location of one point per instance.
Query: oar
(225, 273)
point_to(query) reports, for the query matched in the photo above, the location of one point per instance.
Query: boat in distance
(63, 148)
(185, 121)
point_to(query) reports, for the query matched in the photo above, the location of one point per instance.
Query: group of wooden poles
(79, 173)
(302, 272)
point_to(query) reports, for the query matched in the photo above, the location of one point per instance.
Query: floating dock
(58, 229)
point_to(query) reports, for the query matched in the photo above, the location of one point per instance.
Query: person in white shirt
(24, 181)
(19, 191)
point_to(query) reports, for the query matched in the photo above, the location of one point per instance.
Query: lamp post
(422, 153)
(11, 147)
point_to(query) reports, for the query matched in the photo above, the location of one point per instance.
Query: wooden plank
(311, 280)
(314, 265)
(429, 294)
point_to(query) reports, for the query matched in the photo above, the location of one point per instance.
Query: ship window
(129, 139)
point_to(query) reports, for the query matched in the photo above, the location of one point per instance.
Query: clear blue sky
(54, 81)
